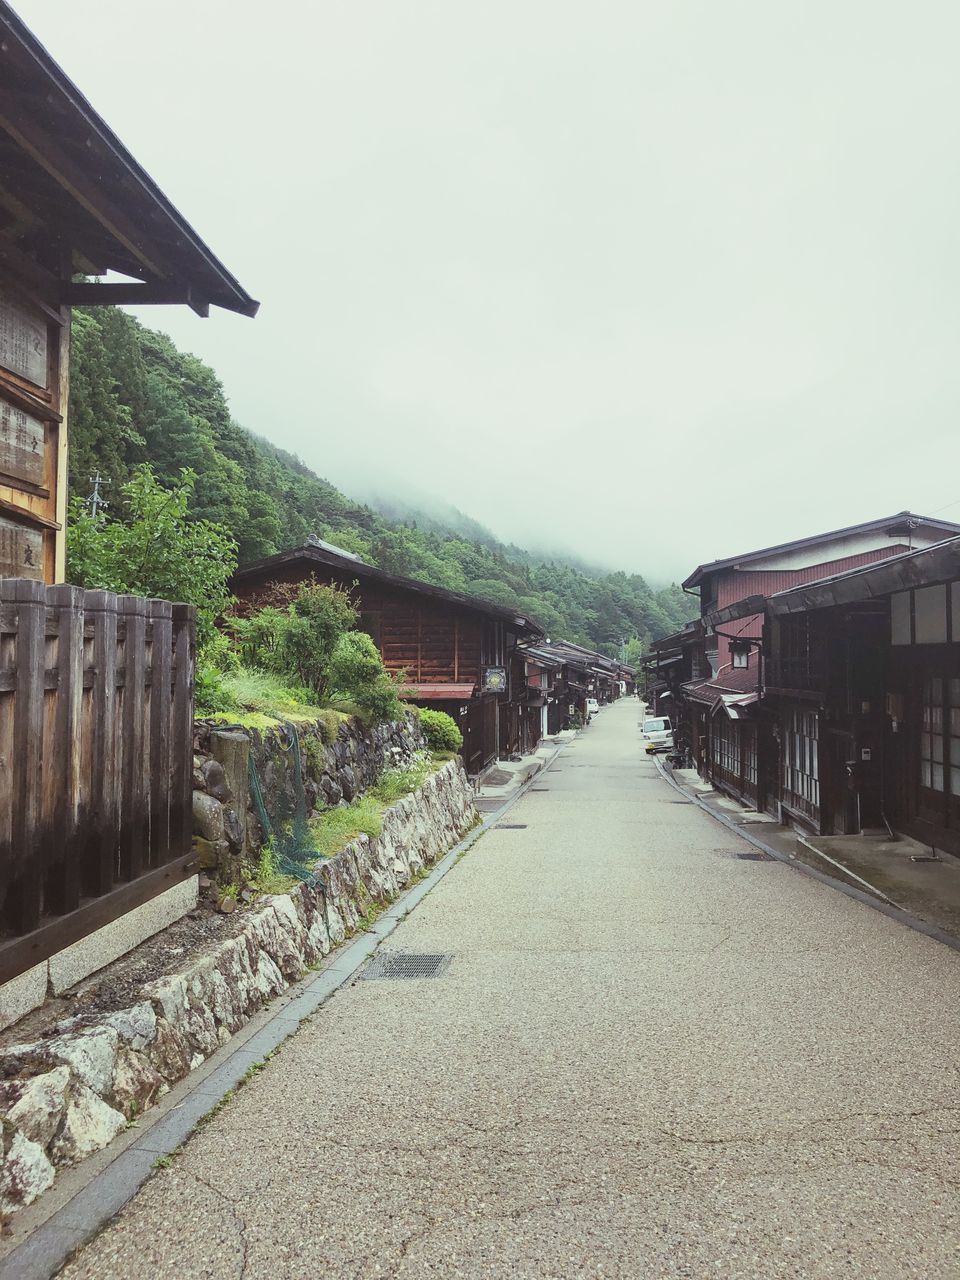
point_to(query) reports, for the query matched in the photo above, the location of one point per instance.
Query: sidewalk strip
(899, 914)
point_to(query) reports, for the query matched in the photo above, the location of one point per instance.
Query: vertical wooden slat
(62, 856)
(8, 649)
(30, 601)
(181, 730)
(161, 712)
(101, 807)
(133, 825)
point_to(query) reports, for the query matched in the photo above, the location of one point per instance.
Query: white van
(657, 735)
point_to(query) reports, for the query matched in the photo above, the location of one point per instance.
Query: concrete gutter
(878, 903)
(46, 1234)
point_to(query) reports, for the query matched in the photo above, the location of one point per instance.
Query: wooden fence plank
(133, 811)
(181, 730)
(30, 598)
(63, 755)
(161, 714)
(100, 816)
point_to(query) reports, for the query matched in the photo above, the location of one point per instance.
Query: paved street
(647, 1058)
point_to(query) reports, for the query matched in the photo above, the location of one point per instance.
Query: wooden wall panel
(34, 358)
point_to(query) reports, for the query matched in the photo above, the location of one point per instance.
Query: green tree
(152, 548)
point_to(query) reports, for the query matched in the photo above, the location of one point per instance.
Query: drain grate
(754, 857)
(399, 964)
(510, 826)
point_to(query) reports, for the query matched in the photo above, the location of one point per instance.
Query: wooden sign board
(22, 438)
(23, 341)
(21, 551)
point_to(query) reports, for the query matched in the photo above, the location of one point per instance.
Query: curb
(900, 914)
(52, 1243)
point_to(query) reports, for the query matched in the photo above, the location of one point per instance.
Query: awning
(440, 692)
(736, 706)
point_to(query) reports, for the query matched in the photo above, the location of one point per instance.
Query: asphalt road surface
(647, 1058)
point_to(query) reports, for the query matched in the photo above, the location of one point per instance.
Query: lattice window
(801, 760)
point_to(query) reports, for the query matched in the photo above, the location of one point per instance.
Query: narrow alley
(648, 1056)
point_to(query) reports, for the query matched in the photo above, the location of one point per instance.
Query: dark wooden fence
(96, 756)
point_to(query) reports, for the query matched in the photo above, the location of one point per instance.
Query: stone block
(22, 994)
(72, 965)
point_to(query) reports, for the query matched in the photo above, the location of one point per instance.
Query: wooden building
(862, 693)
(565, 675)
(710, 677)
(459, 653)
(96, 690)
(74, 206)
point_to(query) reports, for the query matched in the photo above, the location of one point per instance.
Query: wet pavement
(647, 1057)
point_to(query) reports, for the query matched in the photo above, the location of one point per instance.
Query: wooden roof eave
(320, 559)
(44, 113)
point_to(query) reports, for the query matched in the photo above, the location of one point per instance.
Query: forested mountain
(136, 399)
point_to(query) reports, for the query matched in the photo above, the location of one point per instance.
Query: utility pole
(96, 502)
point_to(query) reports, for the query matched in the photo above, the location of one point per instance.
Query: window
(725, 746)
(940, 735)
(748, 738)
(801, 762)
(740, 654)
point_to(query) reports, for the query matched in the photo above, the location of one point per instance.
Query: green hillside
(136, 399)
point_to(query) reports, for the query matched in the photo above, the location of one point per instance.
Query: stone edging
(65, 1097)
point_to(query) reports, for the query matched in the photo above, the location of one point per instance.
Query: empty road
(647, 1058)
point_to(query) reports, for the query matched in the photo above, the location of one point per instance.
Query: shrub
(440, 730)
(394, 784)
(299, 640)
(357, 675)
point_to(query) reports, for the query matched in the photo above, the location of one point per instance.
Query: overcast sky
(658, 282)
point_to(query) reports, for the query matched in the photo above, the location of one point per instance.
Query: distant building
(709, 677)
(458, 652)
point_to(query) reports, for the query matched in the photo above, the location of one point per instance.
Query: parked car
(593, 706)
(657, 735)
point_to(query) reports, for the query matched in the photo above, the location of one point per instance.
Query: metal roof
(901, 520)
(939, 563)
(72, 183)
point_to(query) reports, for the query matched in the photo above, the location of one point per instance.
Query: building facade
(748, 729)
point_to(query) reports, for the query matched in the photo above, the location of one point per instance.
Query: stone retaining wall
(66, 1096)
(338, 759)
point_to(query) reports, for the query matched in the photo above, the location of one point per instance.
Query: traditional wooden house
(96, 708)
(862, 693)
(713, 671)
(74, 204)
(458, 652)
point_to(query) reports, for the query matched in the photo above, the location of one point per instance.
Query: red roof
(734, 680)
(440, 692)
(900, 523)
